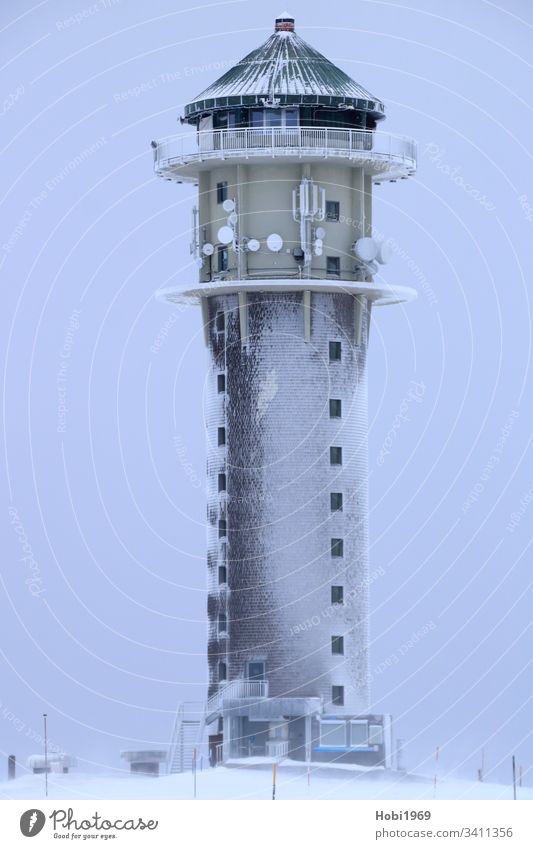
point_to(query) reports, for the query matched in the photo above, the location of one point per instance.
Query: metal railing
(277, 748)
(276, 141)
(237, 689)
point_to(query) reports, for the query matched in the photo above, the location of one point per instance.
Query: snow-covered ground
(256, 783)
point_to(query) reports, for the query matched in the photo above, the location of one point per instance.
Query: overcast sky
(103, 622)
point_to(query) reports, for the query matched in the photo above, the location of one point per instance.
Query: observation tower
(285, 151)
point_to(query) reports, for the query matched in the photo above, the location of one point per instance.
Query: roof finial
(285, 23)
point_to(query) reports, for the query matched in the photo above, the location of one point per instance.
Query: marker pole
(436, 768)
(45, 756)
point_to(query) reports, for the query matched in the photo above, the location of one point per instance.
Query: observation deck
(386, 157)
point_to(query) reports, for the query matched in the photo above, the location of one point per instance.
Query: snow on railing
(277, 748)
(276, 141)
(237, 689)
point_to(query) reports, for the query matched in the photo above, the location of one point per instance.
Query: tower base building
(285, 154)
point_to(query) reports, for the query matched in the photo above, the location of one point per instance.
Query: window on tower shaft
(335, 499)
(222, 672)
(222, 482)
(334, 351)
(337, 695)
(337, 595)
(222, 528)
(220, 322)
(221, 436)
(337, 547)
(222, 575)
(221, 383)
(222, 623)
(337, 645)
(335, 408)
(222, 191)
(335, 455)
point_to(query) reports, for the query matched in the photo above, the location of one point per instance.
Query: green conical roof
(286, 69)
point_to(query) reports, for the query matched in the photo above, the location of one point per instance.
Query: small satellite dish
(253, 245)
(365, 249)
(384, 254)
(208, 249)
(318, 251)
(274, 243)
(318, 243)
(228, 205)
(225, 235)
(320, 232)
(233, 218)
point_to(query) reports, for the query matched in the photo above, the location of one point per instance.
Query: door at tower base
(364, 740)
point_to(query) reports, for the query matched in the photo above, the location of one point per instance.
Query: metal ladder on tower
(187, 735)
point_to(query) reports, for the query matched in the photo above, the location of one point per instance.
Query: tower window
(337, 547)
(222, 482)
(335, 501)
(333, 265)
(222, 575)
(334, 351)
(332, 210)
(223, 258)
(337, 595)
(220, 322)
(222, 671)
(222, 191)
(335, 456)
(222, 528)
(337, 645)
(221, 436)
(335, 408)
(221, 382)
(337, 695)
(222, 623)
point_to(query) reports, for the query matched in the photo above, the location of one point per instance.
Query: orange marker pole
(194, 771)
(274, 783)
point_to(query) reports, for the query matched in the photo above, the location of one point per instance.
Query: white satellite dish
(228, 205)
(208, 249)
(320, 232)
(365, 249)
(318, 251)
(225, 235)
(274, 243)
(233, 218)
(318, 243)
(253, 245)
(384, 252)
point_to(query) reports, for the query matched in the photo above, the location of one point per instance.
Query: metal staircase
(192, 717)
(187, 735)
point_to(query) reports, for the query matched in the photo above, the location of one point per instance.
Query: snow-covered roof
(287, 68)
